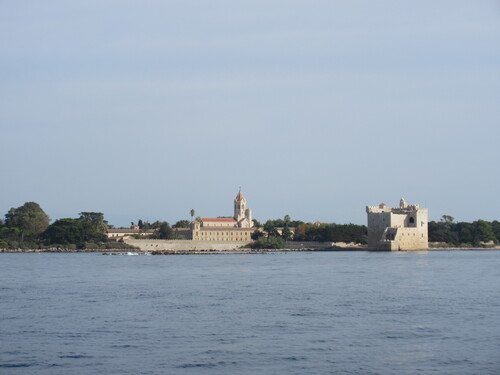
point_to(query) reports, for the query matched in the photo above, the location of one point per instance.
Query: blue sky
(146, 109)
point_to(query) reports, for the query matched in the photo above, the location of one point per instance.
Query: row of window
(220, 239)
(224, 234)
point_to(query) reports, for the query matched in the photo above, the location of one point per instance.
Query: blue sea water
(280, 313)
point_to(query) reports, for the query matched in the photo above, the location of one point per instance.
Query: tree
(165, 232)
(256, 235)
(287, 220)
(300, 232)
(29, 218)
(256, 223)
(483, 231)
(331, 233)
(465, 233)
(270, 229)
(268, 243)
(287, 234)
(495, 226)
(182, 224)
(65, 231)
(447, 219)
(192, 212)
(146, 225)
(88, 228)
(438, 231)
(95, 220)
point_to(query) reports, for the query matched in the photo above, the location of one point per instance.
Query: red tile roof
(219, 219)
(222, 229)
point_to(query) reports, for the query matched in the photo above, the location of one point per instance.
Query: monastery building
(236, 228)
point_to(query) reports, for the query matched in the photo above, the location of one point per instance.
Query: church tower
(240, 205)
(242, 214)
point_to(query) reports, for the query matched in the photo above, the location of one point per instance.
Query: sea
(350, 312)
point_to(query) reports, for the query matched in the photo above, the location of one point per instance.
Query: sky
(146, 109)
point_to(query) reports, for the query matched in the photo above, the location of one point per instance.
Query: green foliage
(331, 233)
(271, 229)
(94, 221)
(268, 243)
(11, 234)
(447, 219)
(286, 221)
(458, 234)
(29, 218)
(165, 232)
(22, 227)
(147, 225)
(182, 224)
(256, 223)
(256, 235)
(495, 227)
(287, 234)
(484, 231)
(87, 229)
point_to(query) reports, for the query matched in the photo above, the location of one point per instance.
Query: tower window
(412, 220)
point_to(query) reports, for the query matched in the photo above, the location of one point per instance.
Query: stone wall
(320, 245)
(186, 245)
(183, 245)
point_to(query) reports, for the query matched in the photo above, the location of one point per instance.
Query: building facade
(120, 234)
(236, 228)
(395, 229)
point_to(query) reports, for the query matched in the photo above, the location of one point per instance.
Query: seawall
(192, 245)
(184, 245)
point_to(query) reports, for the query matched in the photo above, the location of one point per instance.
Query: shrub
(268, 243)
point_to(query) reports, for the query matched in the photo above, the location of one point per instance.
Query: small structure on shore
(395, 229)
(121, 234)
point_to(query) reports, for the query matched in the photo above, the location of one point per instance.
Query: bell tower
(240, 206)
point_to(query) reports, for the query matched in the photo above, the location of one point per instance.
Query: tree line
(274, 233)
(477, 233)
(28, 227)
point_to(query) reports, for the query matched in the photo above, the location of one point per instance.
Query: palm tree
(287, 220)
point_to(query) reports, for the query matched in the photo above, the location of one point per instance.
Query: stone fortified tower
(402, 228)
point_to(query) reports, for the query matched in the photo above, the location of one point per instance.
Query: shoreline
(236, 251)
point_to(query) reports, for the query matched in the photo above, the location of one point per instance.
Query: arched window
(412, 220)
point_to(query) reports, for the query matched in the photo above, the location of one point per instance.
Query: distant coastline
(235, 251)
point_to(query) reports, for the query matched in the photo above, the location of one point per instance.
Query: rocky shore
(179, 252)
(63, 250)
(212, 251)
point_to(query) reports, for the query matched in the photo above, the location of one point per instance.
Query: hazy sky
(147, 109)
